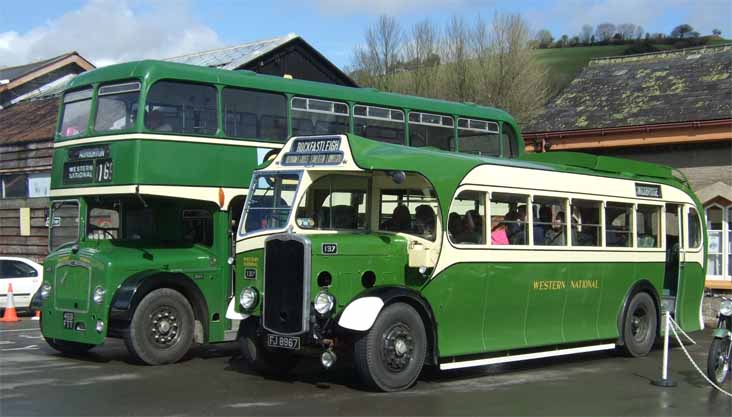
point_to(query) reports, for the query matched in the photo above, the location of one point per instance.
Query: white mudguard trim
(231, 313)
(361, 313)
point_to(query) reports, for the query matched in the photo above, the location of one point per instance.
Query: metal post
(665, 381)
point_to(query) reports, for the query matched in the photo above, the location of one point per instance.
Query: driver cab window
(198, 227)
(103, 224)
(335, 202)
(409, 210)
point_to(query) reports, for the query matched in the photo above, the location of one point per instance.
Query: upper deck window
(77, 105)
(431, 130)
(117, 106)
(318, 117)
(379, 123)
(254, 114)
(478, 137)
(182, 108)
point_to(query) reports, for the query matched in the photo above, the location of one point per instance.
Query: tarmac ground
(214, 380)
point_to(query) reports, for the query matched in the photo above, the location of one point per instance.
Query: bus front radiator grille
(285, 287)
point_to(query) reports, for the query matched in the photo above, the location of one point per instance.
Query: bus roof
(445, 170)
(151, 71)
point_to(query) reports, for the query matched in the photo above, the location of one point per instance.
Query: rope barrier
(674, 325)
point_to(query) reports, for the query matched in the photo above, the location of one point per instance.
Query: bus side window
(379, 123)
(508, 219)
(324, 117)
(694, 238)
(198, 227)
(586, 223)
(618, 219)
(194, 108)
(508, 139)
(254, 114)
(648, 226)
(550, 221)
(466, 221)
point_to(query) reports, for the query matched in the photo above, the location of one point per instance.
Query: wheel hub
(398, 347)
(164, 327)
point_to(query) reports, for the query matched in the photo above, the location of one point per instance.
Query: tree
(604, 32)
(626, 31)
(457, 57)
(544, 37)
(422, 57)
(379, 57)
(586, 34)
(717, 32)
(638, 35)
(681, 31)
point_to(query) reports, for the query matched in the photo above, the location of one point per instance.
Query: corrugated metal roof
(233, 57)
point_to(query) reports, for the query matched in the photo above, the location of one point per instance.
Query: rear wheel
(390, 356)
(640, 325)
(718, 363)
(161, 330)
(68, 347)
(258, 357)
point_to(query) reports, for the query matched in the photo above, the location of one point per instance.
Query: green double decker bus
(404, 257)
(151, 168)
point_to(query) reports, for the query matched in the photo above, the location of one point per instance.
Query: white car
(26, 277)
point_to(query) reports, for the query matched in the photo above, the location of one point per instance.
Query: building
(284, 55)
(670, 107)
(28, 110)
(29, 99)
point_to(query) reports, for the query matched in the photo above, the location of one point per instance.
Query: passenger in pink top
(498, 235)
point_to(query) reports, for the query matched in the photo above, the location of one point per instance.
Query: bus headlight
(725, 308)
(324, 303)
(45, 291)
(98, 296)
(248, 298)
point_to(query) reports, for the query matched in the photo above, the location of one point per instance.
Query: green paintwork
(497, 306)
(148, 72)
(169, 163)
(111, 263)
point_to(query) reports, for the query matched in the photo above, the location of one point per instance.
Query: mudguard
(722, 333)
(36, 302)
(361, 313)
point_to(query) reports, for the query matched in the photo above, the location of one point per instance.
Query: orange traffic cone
(10, 314)
(37, 316)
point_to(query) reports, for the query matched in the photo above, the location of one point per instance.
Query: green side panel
(529, 304)
(157, 162)
(250, 260)
(691, 289)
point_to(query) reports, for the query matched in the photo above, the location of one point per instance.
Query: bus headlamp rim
(324, 303)
(45, 290)
(725, 308)
(248, 298)
(98, 295)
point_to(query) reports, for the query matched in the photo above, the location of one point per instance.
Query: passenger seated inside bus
(555, 236)
(471, 232)
(154, 120)
(498, 233)
(454, 226)
(400, 220)
(424, 217)
(516, 229)
(542, 223)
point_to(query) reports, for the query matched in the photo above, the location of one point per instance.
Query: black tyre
(389, 357)
(640, 325)
(68, 347)
(161, 330)
(718, 363)
(258, 357)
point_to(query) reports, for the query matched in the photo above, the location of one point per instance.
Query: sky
(112, 31)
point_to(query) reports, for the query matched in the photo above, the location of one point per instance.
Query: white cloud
(111, 31)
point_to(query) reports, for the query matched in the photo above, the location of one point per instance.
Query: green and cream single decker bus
(404, 257)
(151, 166)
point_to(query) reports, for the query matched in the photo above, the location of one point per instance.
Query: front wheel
(390, 356)
(640, 325)
(718, 362)
(161, 330)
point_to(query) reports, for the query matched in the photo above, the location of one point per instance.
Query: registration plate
(284, 342)
(68, 320)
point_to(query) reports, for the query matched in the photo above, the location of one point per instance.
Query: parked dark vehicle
(720, 352)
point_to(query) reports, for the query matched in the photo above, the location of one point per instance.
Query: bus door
(235, 209)
(674, 254)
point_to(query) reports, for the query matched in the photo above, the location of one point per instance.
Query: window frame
(222, 112)
(91, 88)
(142, 110)
(486, 218)
(390, 119)
(99, 94)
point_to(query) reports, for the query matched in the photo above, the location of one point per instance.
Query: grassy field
(565, 63)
